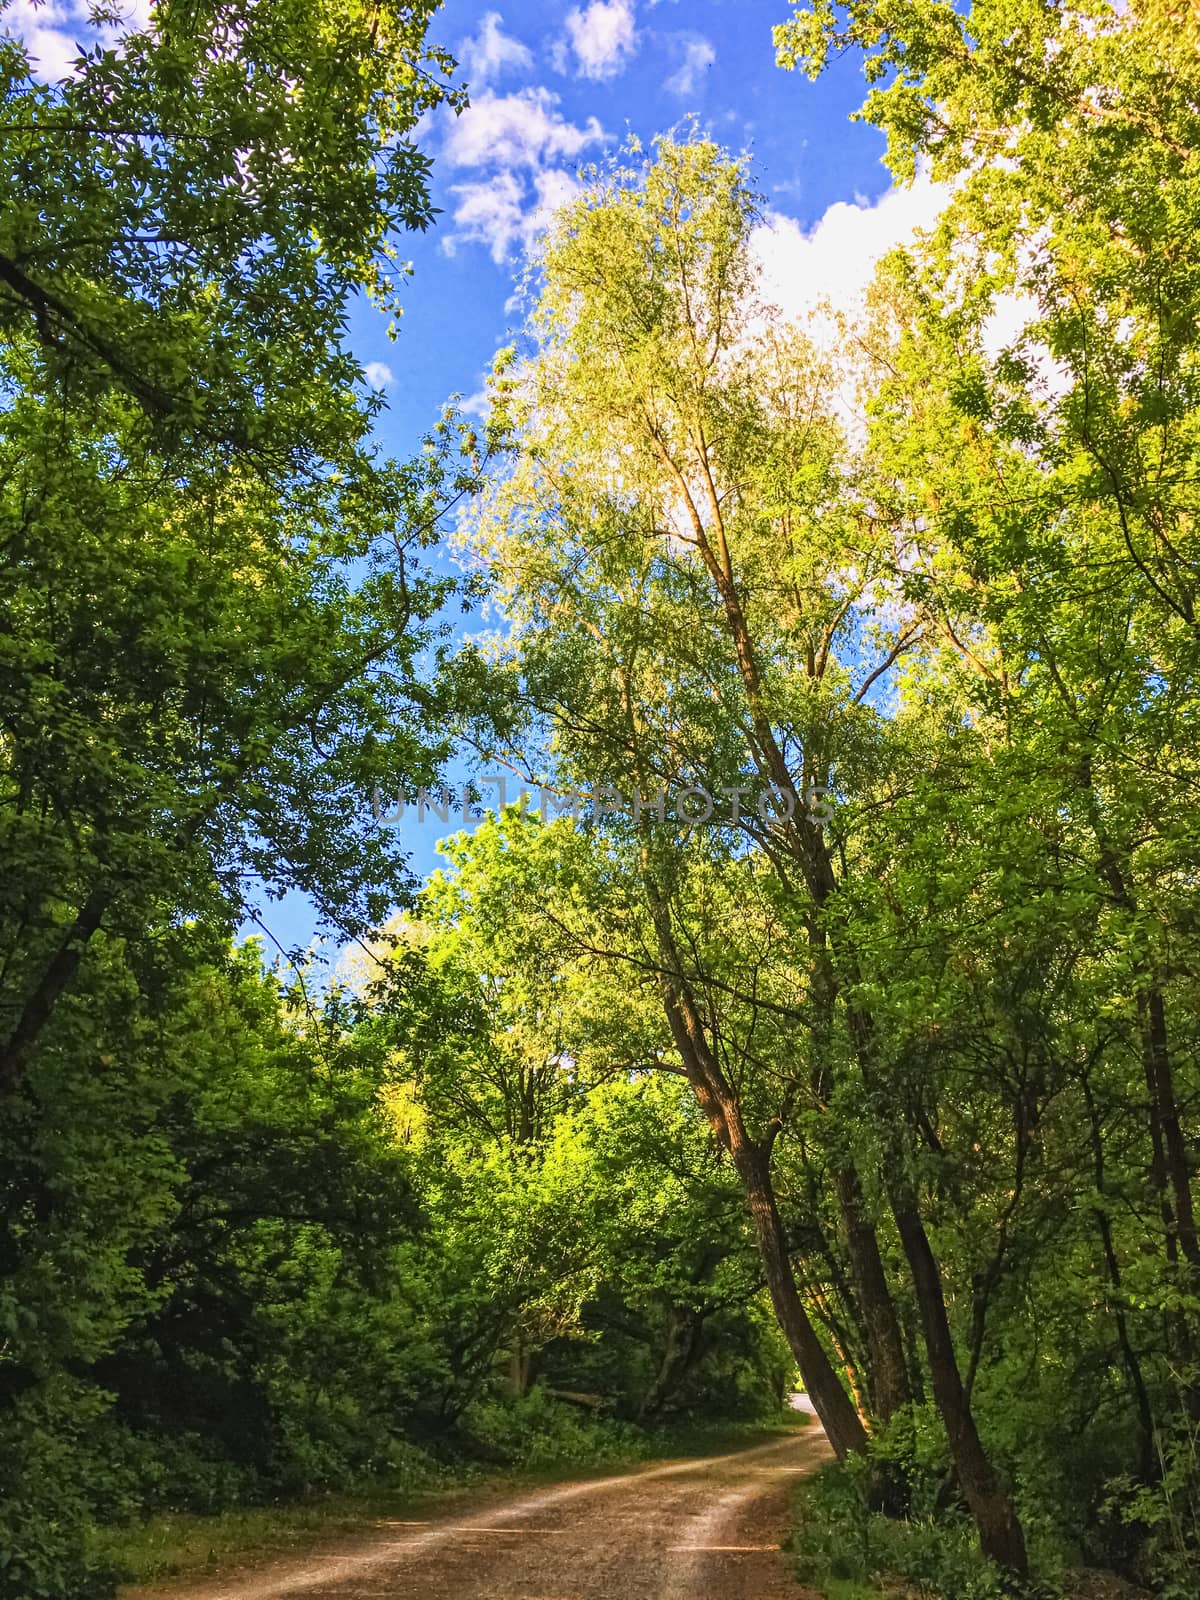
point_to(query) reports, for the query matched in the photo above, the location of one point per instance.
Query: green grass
(714, 1438)
(181, 1544)
(174, 1544)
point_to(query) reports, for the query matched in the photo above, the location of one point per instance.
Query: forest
(824, 1010)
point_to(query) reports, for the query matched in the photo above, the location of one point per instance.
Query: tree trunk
(520, 1365)
(844, 1351)
(1169, 1153)
(887, 1373)
(834, 1406)
(679, 1351)
(999, 1531)
(57, 976)
(1164, 1112)
(1000, 1535)
(886, 1366)
(1129, 1358)
(752, 1163)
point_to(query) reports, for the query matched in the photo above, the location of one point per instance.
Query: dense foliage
(247, 1250)
(943, 984)
(854, 1026)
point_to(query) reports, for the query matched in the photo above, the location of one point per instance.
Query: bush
(45, 1495)
(537, 1431)
(1168, 1513)
(840, 1540)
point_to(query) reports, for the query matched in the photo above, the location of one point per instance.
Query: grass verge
(181, 1544)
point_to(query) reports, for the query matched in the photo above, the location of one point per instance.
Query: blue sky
(554, 86)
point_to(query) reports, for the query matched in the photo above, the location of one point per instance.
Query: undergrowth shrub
(538, 1431)
(842, 1546)
(1166, 1514)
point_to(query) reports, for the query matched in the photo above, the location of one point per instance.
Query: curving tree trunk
(752, 1163)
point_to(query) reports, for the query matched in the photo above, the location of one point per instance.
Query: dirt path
(692, 1530)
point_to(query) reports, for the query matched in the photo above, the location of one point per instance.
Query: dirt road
(690, 1530)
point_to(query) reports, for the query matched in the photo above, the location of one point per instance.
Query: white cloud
(1004, 325)
(56, 34)
(835, 260)
(602, 37)
(555, 189)
(833, 263)
(491, 212)
(378, 374)
(813, 277)
(53, 34)
(486, 54)
(506, 212)
(698, 56)
(517, 140)
(827, 270)
(516, 130)
(478, 404)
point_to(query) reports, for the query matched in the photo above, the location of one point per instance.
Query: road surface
(704, 1529)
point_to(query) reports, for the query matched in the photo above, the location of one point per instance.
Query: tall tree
(1064, 531)
(680, 480)
(209, 594)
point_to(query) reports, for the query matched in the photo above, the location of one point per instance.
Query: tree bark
(55, 979)
(888, 1372)
(684, 1325)
(1133, 1368)
(1000, 1535)
(752, 1163)
(1164, 1110)
(834, 1406)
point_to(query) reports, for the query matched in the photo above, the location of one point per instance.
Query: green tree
(702, 591)
(211, 599)
(1049, 490)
